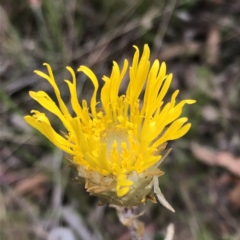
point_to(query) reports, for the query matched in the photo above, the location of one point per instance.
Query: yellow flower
(116, 145)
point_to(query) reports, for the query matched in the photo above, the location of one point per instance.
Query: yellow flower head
(116, 150)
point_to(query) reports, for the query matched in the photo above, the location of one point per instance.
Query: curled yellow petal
(94, 80)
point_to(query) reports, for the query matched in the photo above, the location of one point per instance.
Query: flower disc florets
(117, 150)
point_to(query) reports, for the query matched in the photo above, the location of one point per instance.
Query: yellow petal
(73, 91)
(48, 132)
(172, 132)
(51, 80)
(122, 191)
(138, 74)
(44, 100)
(94, 80)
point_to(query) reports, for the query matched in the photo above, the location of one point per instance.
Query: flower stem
(129, 218)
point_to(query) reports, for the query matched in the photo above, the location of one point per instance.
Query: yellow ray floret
(123, 138)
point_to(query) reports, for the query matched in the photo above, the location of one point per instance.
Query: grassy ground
(199, 41)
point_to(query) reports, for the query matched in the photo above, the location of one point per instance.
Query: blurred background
(199, 41)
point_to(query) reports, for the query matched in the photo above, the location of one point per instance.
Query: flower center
(114, 139)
